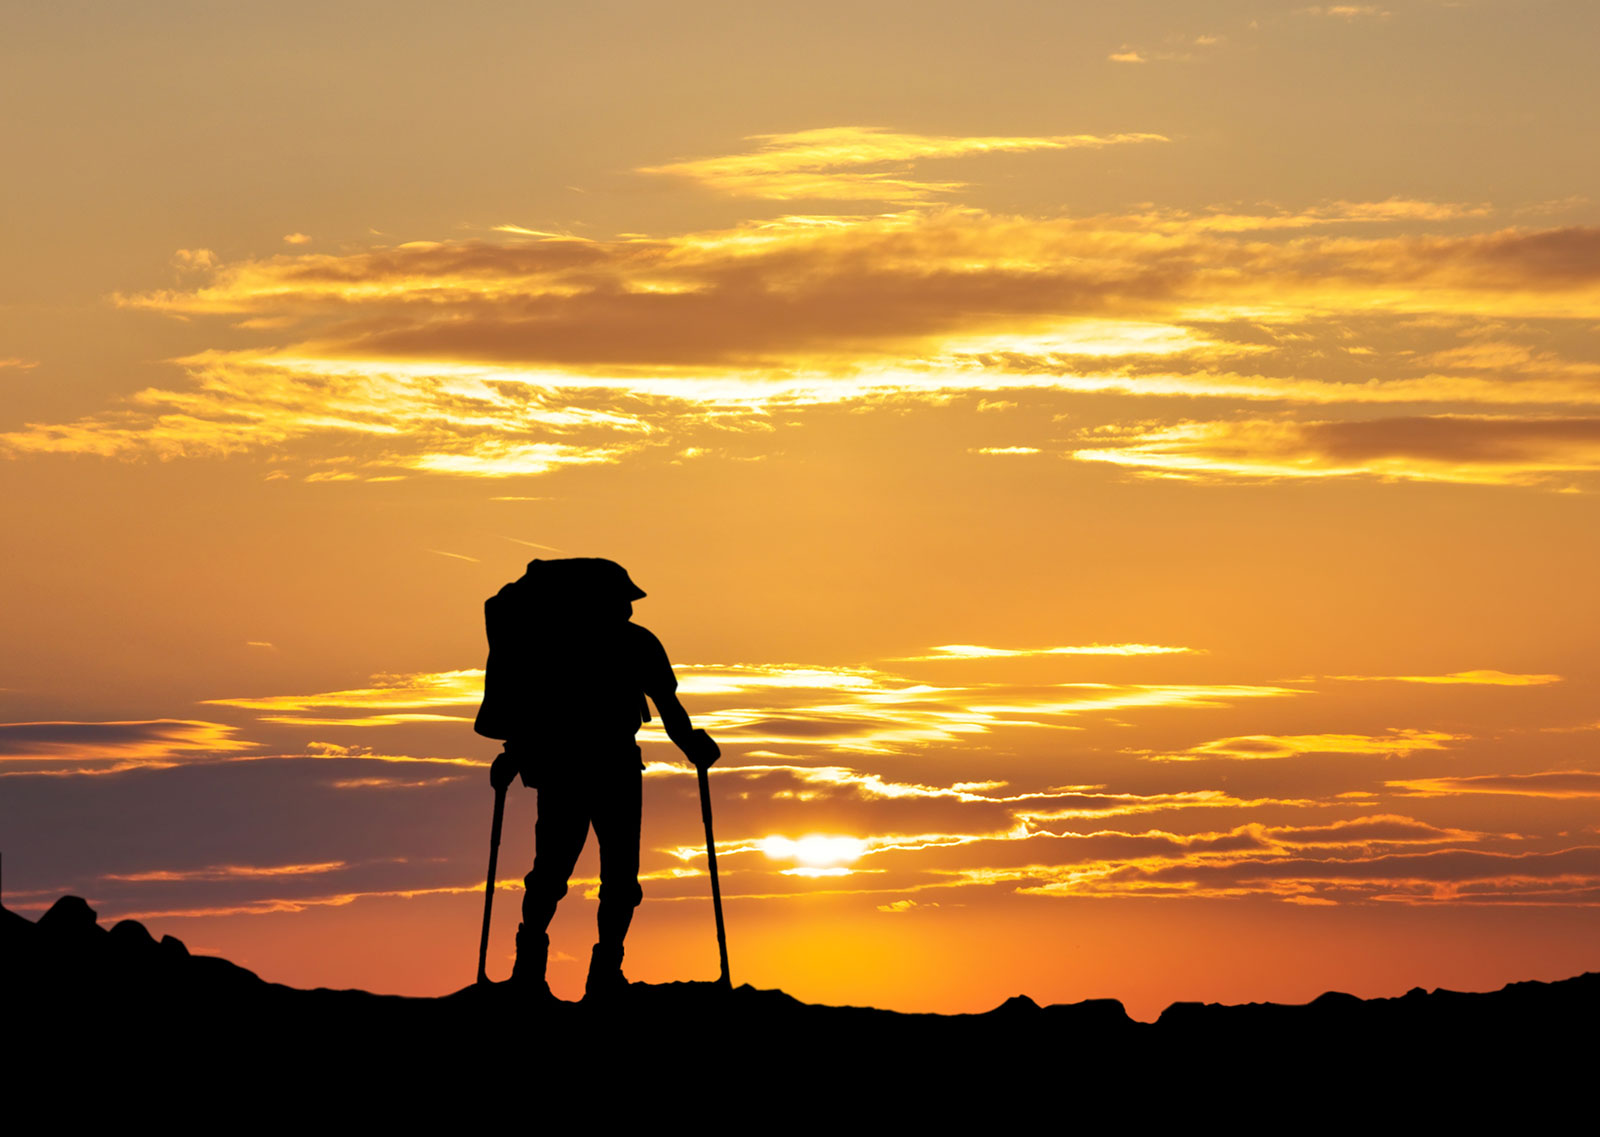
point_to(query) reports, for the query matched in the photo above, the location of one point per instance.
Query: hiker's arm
(695, 744)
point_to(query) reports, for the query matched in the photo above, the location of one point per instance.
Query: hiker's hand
(505, 768)
(702, 750)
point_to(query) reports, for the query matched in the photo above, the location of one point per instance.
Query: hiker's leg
(616, 827)
(558, 838)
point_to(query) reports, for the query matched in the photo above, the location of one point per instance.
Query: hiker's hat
(592, 576)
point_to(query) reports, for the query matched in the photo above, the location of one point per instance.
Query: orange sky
(1120, 483)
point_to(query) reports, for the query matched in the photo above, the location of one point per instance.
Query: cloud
(1570, 875)
(975, 651)
(227, 872)
(393, 699)
(370, 422)
(1253, 747)
(789, 830)
(866, 710)
(1482, 449)
(1368, 831)
(1348, 12)
(827, 162)
(1349, 858)
(109, 747)
(1482, 678)
(194, 259)
(1499, 355)
(1177, 48)
(528, 354)
(859, 709)
(296, 239)
(898, 906)
(1560, 784)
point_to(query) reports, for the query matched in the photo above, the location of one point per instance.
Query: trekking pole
(488, 889)
(711, 860)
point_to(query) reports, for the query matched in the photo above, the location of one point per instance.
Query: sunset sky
(1119, 480)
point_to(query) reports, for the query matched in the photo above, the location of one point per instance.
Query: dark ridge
(82, 1002)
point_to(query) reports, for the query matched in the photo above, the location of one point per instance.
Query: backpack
(550, 661)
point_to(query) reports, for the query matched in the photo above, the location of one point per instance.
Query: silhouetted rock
(1017, 1005)
(70, 917)
(130, 936)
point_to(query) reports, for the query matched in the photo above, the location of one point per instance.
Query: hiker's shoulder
(643, 637)
(654, 669)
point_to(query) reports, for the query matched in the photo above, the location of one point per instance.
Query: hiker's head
(586, 588)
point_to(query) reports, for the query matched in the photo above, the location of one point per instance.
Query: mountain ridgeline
(83, 1001)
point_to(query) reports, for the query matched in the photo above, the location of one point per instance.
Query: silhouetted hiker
(565, 688)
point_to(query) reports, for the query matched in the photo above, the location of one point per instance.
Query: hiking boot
(533, 951)
(605, 973)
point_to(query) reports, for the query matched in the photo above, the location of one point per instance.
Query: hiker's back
(565, 663)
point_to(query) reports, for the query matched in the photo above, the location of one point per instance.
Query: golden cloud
(381, 420)
(862, 709)
(1485, 450)
(1481, 678)
(226, 872)
(976, 651)
(825, 163)
(533, 353)
(110, 747)
(1396, 743)
(1564, 876)
(1560, 784)
(396, 699)
(1348, 11)
(859, 709)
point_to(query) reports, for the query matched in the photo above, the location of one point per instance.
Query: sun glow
(815, 851)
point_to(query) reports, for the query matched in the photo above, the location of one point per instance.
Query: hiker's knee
(543, 887)
(625, 892)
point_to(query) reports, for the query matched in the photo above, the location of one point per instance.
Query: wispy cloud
(1480, 678)
(1451, 876)
(1173, 49)
(976, 651)
(1484, 450)
(372, 422)
(858, 163)
(1348, 11)
(1254, 747)
(110, 747)
(531, 354)
(1563, 784)
(866, 710)
(226, 872)
(392, 700)
(860, 709)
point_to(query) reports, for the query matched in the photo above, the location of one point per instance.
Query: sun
(815, 851)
